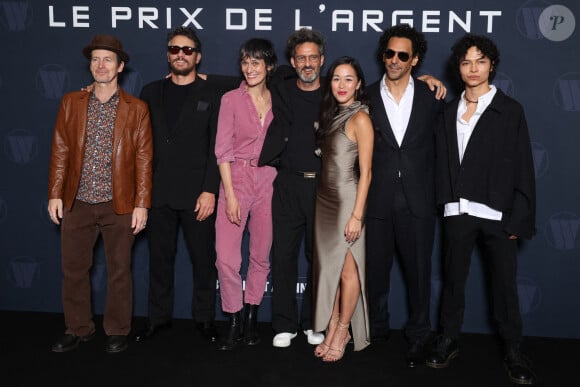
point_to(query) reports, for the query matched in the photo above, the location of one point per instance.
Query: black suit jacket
(184, 162)
(277, 134)
(414, 159)
(497, 167)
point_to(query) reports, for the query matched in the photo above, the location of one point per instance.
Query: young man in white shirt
(485, 182)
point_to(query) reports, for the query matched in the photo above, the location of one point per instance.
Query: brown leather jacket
(132, 152)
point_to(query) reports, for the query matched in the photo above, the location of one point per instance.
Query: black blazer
(497, 167)
(184, 162)
(277, 134)
(414, 159)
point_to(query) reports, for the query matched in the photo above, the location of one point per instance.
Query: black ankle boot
(234, 334)
(251, 324)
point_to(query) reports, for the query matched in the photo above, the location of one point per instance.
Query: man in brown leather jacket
(100, 184)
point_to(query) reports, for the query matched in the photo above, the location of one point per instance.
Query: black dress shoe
(116, 343)
(518, 367)
(68, 342)
(208, 331)
(416, 354)
(443, 350)
(149, 330)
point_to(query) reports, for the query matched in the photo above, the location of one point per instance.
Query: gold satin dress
(335, 197)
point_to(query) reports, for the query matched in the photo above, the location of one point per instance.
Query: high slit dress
(335, 198)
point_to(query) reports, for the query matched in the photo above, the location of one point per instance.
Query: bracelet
(355, 217)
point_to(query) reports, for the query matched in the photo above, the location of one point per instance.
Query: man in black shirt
(296, 104)
(184, 110)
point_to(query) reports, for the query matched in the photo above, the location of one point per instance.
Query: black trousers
(461, 233)
(411, 239)
(293, 217)
(163, 225)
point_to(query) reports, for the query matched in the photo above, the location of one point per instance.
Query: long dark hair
(329, 107)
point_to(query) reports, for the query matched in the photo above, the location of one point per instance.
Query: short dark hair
(482, 43)
(304, 35)
(187, 32)
(418, 42)
(260, 49)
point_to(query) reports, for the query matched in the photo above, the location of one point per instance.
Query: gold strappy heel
(335, 354)
(323, 347)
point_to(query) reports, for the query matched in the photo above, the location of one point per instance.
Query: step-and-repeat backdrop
(41, 43)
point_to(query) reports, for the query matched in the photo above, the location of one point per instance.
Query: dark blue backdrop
(41, 42)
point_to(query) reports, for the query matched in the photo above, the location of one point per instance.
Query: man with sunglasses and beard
(401, 203)
(184, 111)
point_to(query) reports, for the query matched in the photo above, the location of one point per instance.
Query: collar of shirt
(465, 128)
(113, 99)
(409, 90)
(482, 103)
(398, 113)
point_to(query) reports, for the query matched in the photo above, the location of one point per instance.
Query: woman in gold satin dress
(345, 138)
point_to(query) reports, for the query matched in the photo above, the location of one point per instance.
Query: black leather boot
(251, 336)
(234, 334)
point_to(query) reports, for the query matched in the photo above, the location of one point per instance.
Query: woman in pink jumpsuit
(245, 192)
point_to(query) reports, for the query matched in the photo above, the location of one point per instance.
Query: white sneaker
(283, 340)
(314, 338)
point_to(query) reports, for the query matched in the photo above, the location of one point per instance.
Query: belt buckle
(309, 175)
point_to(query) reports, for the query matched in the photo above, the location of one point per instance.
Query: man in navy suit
(184, 110)
(401, 203)
(486, 185)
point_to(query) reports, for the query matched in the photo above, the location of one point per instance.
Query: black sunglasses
(186, 50)
(403, 56)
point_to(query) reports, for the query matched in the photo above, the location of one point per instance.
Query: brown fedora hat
(106, 42)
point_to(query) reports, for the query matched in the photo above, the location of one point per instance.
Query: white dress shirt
(398, 113)
(464, 132)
